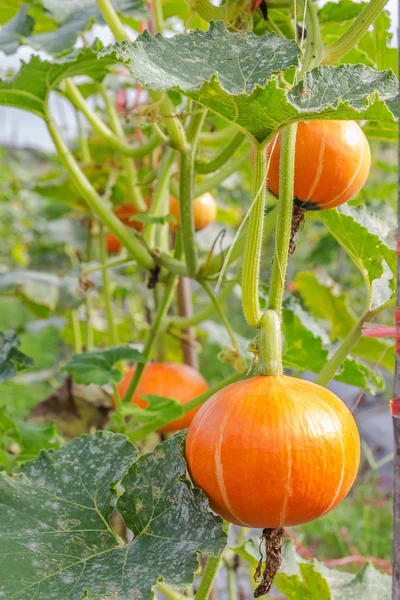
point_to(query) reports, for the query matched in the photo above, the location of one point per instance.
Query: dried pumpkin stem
(273, 540)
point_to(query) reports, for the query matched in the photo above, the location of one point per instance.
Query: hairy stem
(160, 196)
(270, 344)
(252, 256)
(314, 47)
(355, 32)
(112, 331)
(208, 577)
(284, 218)
(186, 185)
(76, 331)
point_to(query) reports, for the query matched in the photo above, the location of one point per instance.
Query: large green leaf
(15, 30)
(12, 360)
(43, 292)
(232, 75)
(307, 348)
(65, 21)
(369, 242)
(325, 300)
(30, 87)
(98, 366)
(56, 541)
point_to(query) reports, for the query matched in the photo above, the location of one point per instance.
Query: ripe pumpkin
(204, 211)
(170, 380)
(332, 163)
(273, 451)
(113, 245)
(125, 212)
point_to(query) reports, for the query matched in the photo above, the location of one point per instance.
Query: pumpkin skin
(113, 245)
(273, 451)
(204, 211)
(170, 380)
(332, 163)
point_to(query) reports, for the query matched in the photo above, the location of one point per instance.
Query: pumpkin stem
(273, 540)
(270, 344)
(297, 220)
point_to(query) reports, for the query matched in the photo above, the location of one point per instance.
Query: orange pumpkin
(113, 245)
(332, 163)
(204, 211)
(273, 451)
(125, 212)
(170, 380)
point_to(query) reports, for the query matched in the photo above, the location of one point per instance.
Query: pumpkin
(204, 211)
(170, 380)
(125, 212)
(113, 245)
(273, 451)
(332, 163)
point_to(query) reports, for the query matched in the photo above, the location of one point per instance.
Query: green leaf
(368, 584)
(369, 242)
(338, 12)
(56, 515)
(14, 31)
(12, 360)
(209, 68)
(310, 586)
(30, 87)
(325, 300)
(159, 408)
(43, 292)
(70, 20)
(308, 348)
(97, 366)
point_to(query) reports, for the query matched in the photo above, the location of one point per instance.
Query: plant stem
(112, 20)
(96, 204)
(134, 191)
(185, 310)
(214, 180)
(158, 319)
(211, 267)
(83, 141)
(252, 256)
(168, 591)
(186, 184)
(141, 432)
(208, 577)
(217, 138)
(208, 11)
(112, 331)
(174, 126)
(341, 353)
(356, 30)
(314, 46)
(76, 331)
(284, 218)
(158, 15)
(218, 307)
(162, 191)
(114, 263)
(185, 322)
(270, 344)
(215, 163)
(116, 142)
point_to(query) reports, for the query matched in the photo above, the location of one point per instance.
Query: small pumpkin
(113, 245)
(204, 211)
(332, 163)
(171, 380)
(273, 451)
